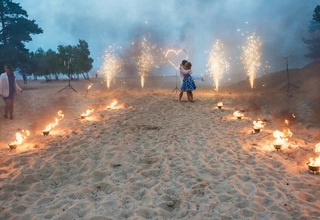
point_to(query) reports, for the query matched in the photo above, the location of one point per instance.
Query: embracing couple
(188, 84)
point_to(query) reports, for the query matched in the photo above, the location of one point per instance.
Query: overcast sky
(193, 25)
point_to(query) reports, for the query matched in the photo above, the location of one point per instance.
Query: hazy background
(193, 25)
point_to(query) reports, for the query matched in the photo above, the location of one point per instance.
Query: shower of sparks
(111, 65)
(145, 60)
(217, 63)
(266, 67)
(251, 57)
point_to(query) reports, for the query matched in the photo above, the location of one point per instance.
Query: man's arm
(184, 71)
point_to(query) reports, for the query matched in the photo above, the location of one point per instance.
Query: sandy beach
(149, 156)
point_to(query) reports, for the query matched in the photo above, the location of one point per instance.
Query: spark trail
(251, 57)
(217, 63)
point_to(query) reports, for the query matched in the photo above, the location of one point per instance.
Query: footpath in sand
(152, 157)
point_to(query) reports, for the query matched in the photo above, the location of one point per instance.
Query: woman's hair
(184, 62)
(188, 65)
(10, 68)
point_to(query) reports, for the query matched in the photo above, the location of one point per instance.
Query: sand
(153, 157)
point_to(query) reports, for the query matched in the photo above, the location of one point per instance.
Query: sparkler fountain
(145, 60)
(217, 63)
(251, 57)
(111, 65)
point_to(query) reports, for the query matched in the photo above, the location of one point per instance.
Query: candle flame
(89, 111)
(316, 161)
(281, 137)
(317, 148)
(237, 114)
(258, 124)
(20, 137)
(55, 123)
(114, 105)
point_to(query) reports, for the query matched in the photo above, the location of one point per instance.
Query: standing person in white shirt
(8, 87)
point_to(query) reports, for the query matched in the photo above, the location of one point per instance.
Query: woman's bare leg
(11, 109)
(180, 95)
(188, 95)
(8, 109)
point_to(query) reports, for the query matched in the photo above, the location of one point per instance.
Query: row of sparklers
(281, 138)
(217, 65)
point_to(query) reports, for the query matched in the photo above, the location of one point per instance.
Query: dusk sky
(178, 24)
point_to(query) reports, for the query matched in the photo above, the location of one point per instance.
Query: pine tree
(15, 30)
(314, 42)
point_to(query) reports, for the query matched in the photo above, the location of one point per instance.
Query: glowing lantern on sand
(220, 104)
(314, 164)
(257, 125)
(238, 114)
(281, 138)
(52, 125)
(19, 138)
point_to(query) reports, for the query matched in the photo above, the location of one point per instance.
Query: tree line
(16, 30)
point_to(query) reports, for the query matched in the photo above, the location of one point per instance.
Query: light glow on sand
(251, 57)
(145, 60)
(217, 63)
(55, 123)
